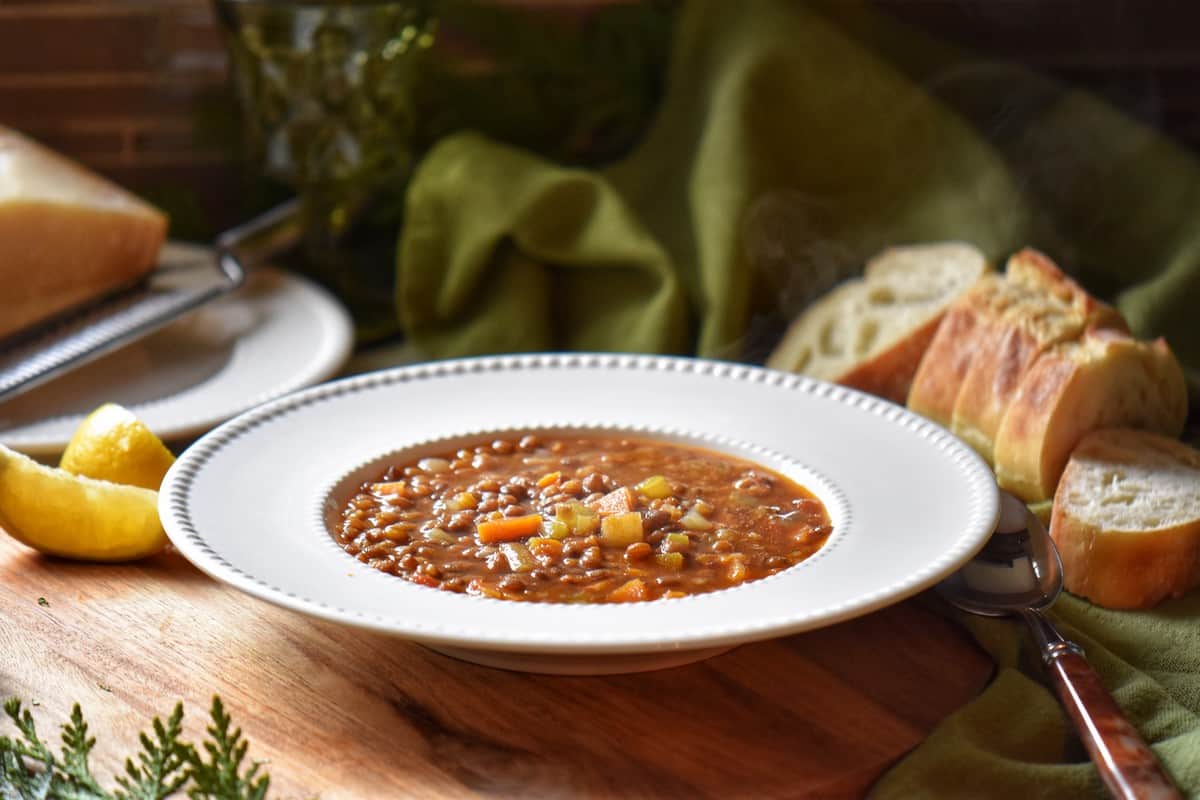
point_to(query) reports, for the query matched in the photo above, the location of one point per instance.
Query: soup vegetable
(576, 518)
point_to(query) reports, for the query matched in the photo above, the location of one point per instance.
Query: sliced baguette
(1042, 307)
(1105, 379)
(940, 375)
(870, 333)
(1126, 519)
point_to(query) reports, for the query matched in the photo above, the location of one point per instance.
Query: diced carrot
(548, 478)
(507, 529)
(618, 501)
(737, 570)
(546, 547)
(480, 589)
(629, 591)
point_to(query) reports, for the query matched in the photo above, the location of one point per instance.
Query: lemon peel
(113, 445)
(62, 514)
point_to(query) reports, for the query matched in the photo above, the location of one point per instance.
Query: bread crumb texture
(1132, 481)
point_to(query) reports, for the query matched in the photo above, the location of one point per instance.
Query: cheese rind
(67, 235)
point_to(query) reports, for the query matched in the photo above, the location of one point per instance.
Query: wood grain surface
(343, 713)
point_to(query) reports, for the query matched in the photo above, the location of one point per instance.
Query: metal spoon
(1019, 573)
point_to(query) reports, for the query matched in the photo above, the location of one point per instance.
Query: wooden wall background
(136, 88)
(123, 85)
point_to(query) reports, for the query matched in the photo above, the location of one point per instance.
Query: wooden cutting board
(343, 713)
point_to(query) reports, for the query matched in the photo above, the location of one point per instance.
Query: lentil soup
(576, 517)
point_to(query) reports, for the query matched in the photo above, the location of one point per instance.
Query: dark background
(137, 88)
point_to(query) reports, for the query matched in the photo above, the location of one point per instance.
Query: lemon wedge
(114, 445)
(68, 515)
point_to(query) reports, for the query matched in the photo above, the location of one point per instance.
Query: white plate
(276, 334)
(909, 502)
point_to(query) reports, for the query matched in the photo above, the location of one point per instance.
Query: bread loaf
(66, 234)
(1126, 519)
(1104, 379)
(870, 333)
(1037, 307)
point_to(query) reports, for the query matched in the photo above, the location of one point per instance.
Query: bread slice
(1038, 307)
(1105, 379)
(870, 333)
(942, 370)
(1126, 519)
(66, 234)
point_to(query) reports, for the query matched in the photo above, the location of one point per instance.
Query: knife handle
(1127, 766)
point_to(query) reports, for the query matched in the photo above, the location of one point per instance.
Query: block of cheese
(67, 235)
(870, 332)
(1126, 518)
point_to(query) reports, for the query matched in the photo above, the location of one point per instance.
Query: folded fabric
(1014, 740)
(782, 155)
(792, 143)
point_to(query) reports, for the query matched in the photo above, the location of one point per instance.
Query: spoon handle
(1126, 764)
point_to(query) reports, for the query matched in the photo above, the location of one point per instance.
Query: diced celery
(462, 500)
(518, 556)
(693, 520)
(587, 521)
(655, 487)
(440, 536)
(620, 530)
(743, 499)
(676, 542)
(555, 529)
(669, 560)
(579, 519)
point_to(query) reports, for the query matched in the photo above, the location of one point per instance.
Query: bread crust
(1042, 306)
(1111, 562)
(944, 366)
(871, 334)
(890, 373)
(1106, 379)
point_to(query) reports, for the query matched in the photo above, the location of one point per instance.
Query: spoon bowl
(1018, 569)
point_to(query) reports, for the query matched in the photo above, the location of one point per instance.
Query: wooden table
(342, 713)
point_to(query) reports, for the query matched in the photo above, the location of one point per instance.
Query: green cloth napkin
(794, 141)
(1014, 740)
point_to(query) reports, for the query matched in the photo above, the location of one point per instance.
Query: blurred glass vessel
(340, 99)
(327, 96)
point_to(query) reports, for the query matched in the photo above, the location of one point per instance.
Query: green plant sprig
(165, 765)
